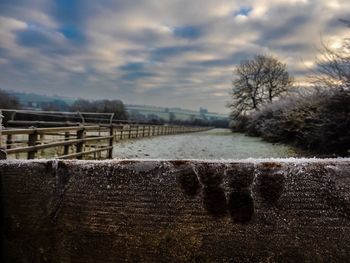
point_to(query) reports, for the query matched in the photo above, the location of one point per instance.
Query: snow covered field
(213, 144)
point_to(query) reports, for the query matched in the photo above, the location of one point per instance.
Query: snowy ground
(213, 144)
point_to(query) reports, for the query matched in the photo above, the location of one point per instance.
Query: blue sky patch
(33, 38)
(68, 11)
(189, 32)
(163, 53)
(132, 66)
(133, 76)
(243, 11)
(72, 33)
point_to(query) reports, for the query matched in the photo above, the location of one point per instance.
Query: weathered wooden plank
(176, 211)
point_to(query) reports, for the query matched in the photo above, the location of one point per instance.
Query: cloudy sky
(153, 52)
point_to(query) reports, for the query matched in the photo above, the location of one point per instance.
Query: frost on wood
(273, 210)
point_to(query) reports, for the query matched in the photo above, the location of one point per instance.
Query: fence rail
(84, 141)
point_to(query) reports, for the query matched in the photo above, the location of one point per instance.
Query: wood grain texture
(175, 211)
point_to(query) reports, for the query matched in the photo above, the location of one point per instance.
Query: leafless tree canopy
(101, 106)
(333, 66)
(333, 69)
(7, 101)
(257, 82)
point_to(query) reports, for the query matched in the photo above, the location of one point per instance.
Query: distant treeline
(8, 101)
(222, 123)
(101, 106)
(203, 121)
(117, 107)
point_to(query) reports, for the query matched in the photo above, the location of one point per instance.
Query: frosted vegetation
(315, 117)
(318, 122)
(213, 144)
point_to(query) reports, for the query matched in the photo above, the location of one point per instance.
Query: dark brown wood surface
(175, 211)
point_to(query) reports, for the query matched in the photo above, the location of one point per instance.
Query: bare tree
(333, 65)
(8, 101)
(114, 106)
(101, 106)
(277, 78)
(82, 105)
(256, 82)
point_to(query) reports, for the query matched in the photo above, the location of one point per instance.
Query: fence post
(111, 142)
(66, 147)
(80, 145)
(3, 155)
(33, 137)
(9, 141)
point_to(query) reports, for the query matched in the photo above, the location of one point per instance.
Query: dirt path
(213, 144)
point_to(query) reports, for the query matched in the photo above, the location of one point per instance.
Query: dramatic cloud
(166, 53)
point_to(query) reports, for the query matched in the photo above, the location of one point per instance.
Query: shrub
(319, 121)
(239, 124)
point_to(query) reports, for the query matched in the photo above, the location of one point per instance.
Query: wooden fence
(76, 142)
